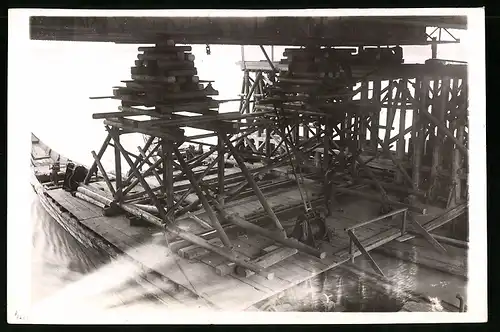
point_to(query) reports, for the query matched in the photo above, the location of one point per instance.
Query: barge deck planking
(229, 292)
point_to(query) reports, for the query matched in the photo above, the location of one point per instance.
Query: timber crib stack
(315, 78)
(165, 85)
(165, 77)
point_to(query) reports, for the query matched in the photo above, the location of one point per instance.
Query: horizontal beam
(340, 31)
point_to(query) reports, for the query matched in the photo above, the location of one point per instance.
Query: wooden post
(434, 48)
(362, 128)
(305, 127)
(268, 143)
(168, 172)
(355, 138)
(220, 170)
(115, 133)
(401, 146)
(243, 89)
(318, 129)
(390, 112)
(246, 103)
(295, 133)
(250, 92)
(417, 133)
(326, 144)
(375, 118)
(439, 110)
(434, 106)
(342, 141)
(457, 157)
(326, 161)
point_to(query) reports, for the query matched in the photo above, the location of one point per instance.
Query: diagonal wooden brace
(99, 155)
(211, 215)
(103, 172)
(138, 160)
(422, 231)
(252, 183)
(143, 155)
(138, 175)
(190, 190)
(445, 130)
(365, 253)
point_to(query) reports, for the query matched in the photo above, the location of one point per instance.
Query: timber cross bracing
(311, 123)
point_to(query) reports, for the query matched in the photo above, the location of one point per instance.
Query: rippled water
(58, 259)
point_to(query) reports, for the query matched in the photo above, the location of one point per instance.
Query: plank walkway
(147, 246)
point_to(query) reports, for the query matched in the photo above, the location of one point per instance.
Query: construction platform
(303, 177)
(194, 268)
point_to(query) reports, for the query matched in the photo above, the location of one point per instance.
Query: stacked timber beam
(165, 86)
(338, 96)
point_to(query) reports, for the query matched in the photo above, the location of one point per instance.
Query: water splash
(435, 304)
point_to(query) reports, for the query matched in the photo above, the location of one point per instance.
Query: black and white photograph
(246, 166)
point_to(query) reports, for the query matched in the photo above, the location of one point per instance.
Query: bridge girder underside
(339, 31)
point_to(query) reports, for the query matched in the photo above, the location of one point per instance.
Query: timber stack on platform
(296, 184)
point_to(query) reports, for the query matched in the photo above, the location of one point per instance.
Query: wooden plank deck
(232, 292)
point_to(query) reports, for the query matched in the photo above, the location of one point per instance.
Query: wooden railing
(353, 239)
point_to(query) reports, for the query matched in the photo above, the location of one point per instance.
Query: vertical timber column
(439, 110)
(342, 140)
(429, 146)
(296, 132)
(318, 129)
(401, 145)
(414, 137)
(389, 114)
(168, 171)
(424, 107)
(362, 127)
(220, 169)
(356, 142)
(268, 143)
(118, 167)
(243, 88)
(434, 48)
(247, 92)
(258, 94)
(375, 122)
(457, 155)
(326, 160)
(305, 127)
(326, 144)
